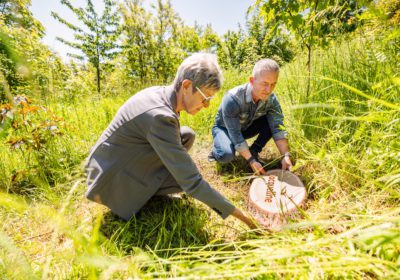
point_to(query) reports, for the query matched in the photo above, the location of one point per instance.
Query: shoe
(211, 157)
(175, 195)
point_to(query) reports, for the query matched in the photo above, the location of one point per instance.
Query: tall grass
(345, 138)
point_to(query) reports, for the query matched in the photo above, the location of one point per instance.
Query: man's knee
(224, 157)
(187, 137)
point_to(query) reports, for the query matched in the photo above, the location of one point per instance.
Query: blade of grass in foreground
(14, 258)
(359, 92)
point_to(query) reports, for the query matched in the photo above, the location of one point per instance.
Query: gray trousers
(170, 185)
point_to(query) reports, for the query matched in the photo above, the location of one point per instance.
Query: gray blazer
(137, 153)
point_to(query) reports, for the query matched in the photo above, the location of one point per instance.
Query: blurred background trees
(98, 39)
(132, 44)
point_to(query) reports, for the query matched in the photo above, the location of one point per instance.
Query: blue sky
(223, 15)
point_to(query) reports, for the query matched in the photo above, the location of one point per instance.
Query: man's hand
(286, 163)
(254, 164)
(283, 147)
(257, 168)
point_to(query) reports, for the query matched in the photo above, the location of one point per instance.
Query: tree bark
(98, 79)
(309, 71)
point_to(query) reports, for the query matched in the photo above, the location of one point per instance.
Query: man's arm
(230, 113)
(283, 147)
(254, 164)
(275, 120)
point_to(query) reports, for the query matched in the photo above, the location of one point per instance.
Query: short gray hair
(265, 65)
(200, 68)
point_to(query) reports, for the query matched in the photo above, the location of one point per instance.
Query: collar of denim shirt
(249, 96)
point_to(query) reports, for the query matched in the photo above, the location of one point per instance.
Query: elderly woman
(144, 151)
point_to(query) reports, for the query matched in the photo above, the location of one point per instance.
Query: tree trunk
(309, 48)
(98, 79)
(309, 71)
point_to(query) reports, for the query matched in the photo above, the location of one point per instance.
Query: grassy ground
(344, 136)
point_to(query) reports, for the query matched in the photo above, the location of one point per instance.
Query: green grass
(345, 138)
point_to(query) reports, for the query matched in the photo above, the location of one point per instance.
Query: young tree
(189, 39)
(20, 47)
(233, 48)
(312, 22)
(16, 13)
(166, 32)
(266, 43)
(155, 42)
(99, 43)
(139, 45)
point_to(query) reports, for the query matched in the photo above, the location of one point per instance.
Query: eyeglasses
(207, 99)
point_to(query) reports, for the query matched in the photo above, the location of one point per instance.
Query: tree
(232, 48)
(16, 13)
(242, 48)
(166, 32)
(20, 35)
(312, 22)
(98, 44)
(138, 43)
(189, 39)
(155, 42)
(266, 43)
(209, 40)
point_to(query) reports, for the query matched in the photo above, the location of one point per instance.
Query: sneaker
(211, 157)
(175, 195)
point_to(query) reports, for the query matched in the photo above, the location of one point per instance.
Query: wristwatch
(250, 159)
(287, 154)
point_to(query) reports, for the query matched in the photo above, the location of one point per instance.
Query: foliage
(139, 44)
(16, 13)
(26, 65)
(166, 32)
(391, 9)
(313, 23)
(151, 44)
(31, 131)
(98, 44)
(242, 48)
(16, 23)
(155, 41)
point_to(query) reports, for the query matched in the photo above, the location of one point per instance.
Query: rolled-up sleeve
(275, 119)
(163, 135)
(231, 113)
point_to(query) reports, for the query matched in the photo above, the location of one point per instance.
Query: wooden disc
(272, 196)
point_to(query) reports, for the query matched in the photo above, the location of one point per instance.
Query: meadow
(345, 140)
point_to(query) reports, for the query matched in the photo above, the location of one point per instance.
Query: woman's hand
(237, 213)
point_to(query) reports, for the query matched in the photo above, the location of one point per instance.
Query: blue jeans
(224, 150)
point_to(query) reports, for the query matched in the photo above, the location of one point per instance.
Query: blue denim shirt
(237, 112)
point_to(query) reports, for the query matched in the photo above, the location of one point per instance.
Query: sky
(223, 15)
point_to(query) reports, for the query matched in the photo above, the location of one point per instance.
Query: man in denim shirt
(249, 110)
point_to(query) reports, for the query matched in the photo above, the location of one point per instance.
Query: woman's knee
(187, 137)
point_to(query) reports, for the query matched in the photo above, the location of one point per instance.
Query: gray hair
(265, 65)
(200, 68)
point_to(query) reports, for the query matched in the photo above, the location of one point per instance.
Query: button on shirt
(238, 111)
